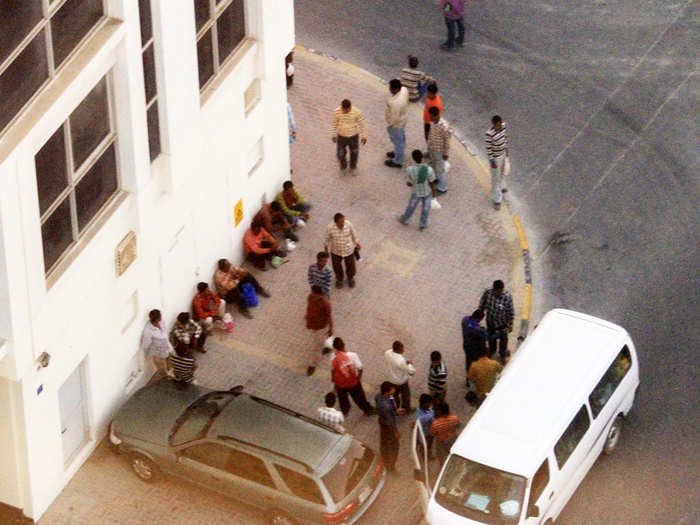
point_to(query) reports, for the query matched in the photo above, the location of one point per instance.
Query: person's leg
(354, 143)
(497, 180)
(343, 400)
(410, 208)
(314, 349)
(392, 448)
(358, 396)
(438, 165)
(391, 131)
(398, 139)
(424, 211)
(491, 331)
(429, 441)
(257, 259)
(222, 308)
(450, 42)
(503, 345)
(426, 130)
(385, 445)
(342, 143)
(337, 263)
(303, 207)
(160, 364)
(350, 267)
(405, 394)
(460, 31)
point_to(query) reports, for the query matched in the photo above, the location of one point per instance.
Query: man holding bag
(421, 178)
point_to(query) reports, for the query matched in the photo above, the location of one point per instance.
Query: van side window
(539, 481)
(571, 436)
(301, 485)
(612, 377)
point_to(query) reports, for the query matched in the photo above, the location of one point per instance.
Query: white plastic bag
(434, 204)
(300, 223)
(328, 343)
(291, 246)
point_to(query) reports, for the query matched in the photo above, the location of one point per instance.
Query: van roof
(540, 391)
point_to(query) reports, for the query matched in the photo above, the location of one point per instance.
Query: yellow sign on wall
(238, 212)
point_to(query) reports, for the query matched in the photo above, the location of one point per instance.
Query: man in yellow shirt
(483, 374)
(347, 131)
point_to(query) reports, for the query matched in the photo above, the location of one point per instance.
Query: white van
(559, 403)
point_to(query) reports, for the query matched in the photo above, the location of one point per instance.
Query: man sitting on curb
(259, 245)
(228, 280)
(293, 204)
(207, 307)
(274, 221)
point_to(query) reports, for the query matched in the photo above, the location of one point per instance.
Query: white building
(127, 128)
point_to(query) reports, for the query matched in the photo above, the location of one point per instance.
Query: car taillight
(337, 516)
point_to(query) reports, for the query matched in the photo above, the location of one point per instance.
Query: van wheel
(613, 436)
(143, 467)
(279, 517)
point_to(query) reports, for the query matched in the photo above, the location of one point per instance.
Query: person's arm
(292, 122)
(285, 209)
(387, 113)
(361, 125)
(354, 237)
(510, 314)
(270, 239)
(489, 149)
(446, 142)
(147, 338)
(482, 302)
(334, 126)
(197, 331)
(327, 239)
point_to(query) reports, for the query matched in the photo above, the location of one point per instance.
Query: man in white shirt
(155, 341)
(331, 416)
(396, 116)
(399, 370)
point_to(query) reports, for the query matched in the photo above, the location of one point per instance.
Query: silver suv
(293, 467)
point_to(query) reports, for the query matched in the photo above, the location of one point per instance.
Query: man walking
(341, 242)
(454, 20)
(396, 116)
(498, 305)
(319, 273)
(346, 376)
(318, 319)
(388, 430)
(421, 178)
(474, 337)
(438, 146)
(497, 151)
(347, 131)
(399, 370)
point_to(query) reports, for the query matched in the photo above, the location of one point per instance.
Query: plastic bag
(291, 245)
(434, 204)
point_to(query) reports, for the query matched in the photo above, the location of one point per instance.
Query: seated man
(293, 204)
(228, 280)
(259, 245)
(207, 307)
(187, 333)
(274, 221)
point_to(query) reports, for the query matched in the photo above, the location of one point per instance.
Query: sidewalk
(411, 285)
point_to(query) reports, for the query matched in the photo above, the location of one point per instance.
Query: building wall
(180, 207)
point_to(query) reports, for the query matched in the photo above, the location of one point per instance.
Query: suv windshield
(479, 492)
(349, 471)
(196, 420)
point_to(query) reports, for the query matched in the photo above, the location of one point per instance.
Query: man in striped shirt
(182, 364)
(331, 416)
(347, 131)
(341, 242)
(437, 376)
(497, 151)
(320, 274)
(439, 146)
(414, 80)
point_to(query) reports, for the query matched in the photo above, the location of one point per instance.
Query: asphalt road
(601, 100)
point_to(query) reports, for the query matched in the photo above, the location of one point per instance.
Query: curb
(527, 301)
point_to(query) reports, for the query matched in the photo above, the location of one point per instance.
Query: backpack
(249, 296)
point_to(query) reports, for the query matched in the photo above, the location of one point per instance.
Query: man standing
(318, 318)
(454, 20)
(228, 280)
(497, 151)
(432, 99)
(483, 373)
(474, 337)
(155, 341)
(396, 116)
(341, 242)
(347, 131)
(388, 430)
(421, 178)
(444, 430)
(438, 146)
(346, 376)
(320, 274)
(399, 370)
(498, 305)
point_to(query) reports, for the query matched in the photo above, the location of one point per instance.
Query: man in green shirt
(421, 178)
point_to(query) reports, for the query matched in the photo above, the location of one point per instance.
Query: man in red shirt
(346, 378)
(259, 245)
(207, 307)
(444, 430)
(274, 220)
(318, 318)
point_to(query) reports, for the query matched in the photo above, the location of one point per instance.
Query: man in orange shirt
(432, 99)
(258, 245)
(207, 307)
(318, 319)
(444, 430)
(273, 220)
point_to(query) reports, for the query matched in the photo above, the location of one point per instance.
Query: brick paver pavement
(412, 285)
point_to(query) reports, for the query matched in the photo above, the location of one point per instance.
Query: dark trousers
(303, 208)
(426, 130)
(194, 344)
(388, 445)
(498, 341)
(337, 262)
(235, 295)
(403, 396)
(358, 396)
(281, 220)
(348, 142)
(454, 26)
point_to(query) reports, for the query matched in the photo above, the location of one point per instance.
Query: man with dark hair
(293, 205)
(421, 178)
(388, 430)
(207, 307)
(454, 20)
(347, 131)
(259, 245)
(274, 221)
(346, 374)
(396, 116)
(319, 273)
(439, 146)
(331, 416)
(497, 152)
(444, 430)
(432, 99)
(228, 280)
(474, 337)
(340, 240)
(414, 80)
(155, 341)
(437, 376)
(319, 322)
(398, 371)
(183, 365)
(498, 305)
(187, 333)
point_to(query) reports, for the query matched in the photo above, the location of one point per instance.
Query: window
(539, 481)
(255, 156)
(571, 436)
(149, 78)
(76, 174)
(220, 28)
(211, 454)
(249, 467)
(36, 38)
(608, 384)
(301, 485)
(252, 96)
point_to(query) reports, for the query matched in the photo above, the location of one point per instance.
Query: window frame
(153, 101)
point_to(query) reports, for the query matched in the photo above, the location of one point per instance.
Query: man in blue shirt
(388, 431)
(474, 337)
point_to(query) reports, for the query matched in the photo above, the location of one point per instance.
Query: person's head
(497, 122)
(154, 316)
(255, 226)
(346, 105)
(477, 315)
(224, 265)
(202, 287)
(387, 389)
(435, 357)
(275, 207)
(434, 114)
(397, 347)
(288, 185)
(417, 156)
(183, 318)
(330, 399)
(339, 220)
(431, 91)
(412, 62)
(322, 259)
(498, 287)
(317, 289)
(394, 85)
(425, 401)
(339, 344)
(442, 409)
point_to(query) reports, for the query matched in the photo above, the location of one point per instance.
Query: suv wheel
(279, 517)
(143, 467)
(613, 436)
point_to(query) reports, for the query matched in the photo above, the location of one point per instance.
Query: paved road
(601, 97)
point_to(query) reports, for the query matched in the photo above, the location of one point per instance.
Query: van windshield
(348, 471)
(480, 492)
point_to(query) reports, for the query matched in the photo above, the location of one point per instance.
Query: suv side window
(571, 436)
(539, 481)
(610, 380)
(301, 485)
(212, 454)
(249, 467)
